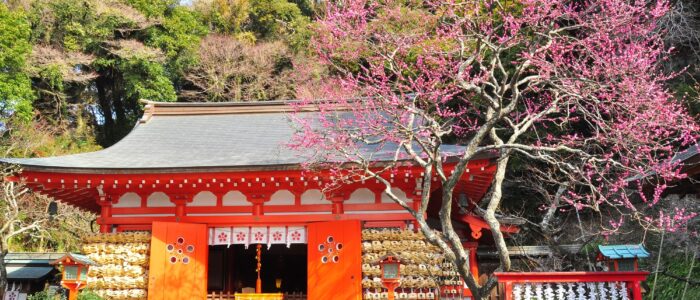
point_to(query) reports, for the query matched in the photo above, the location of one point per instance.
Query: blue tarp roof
(623, 251)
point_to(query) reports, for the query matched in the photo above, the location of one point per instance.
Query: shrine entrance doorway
(232, 269)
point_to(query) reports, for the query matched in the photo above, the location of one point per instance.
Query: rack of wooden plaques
(425, 273)
(122, 273)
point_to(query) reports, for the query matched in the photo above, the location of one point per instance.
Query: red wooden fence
(587, 282)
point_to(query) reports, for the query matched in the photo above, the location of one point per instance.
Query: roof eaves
(83, 259)
(28, 166)
(168, 170)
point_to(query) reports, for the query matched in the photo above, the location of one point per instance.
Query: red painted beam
(549, 277)
(263, 219)
(247, 209)
(122, 228)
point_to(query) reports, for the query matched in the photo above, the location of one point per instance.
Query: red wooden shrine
(202, 174)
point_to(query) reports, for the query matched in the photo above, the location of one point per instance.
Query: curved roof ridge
(153, 108)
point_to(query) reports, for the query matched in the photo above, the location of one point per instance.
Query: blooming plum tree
(572, 87)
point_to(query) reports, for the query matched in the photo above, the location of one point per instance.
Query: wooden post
(636, 290)
(258, 283)
(508, 291)
(105, 212)
(73, 293)
(473, 266)
(417, 200)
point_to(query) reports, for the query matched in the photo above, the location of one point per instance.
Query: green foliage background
(93, 60)
(671, 288)
(15, 87)
(72, 72)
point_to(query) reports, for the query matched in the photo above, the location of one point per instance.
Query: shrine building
(219, 190)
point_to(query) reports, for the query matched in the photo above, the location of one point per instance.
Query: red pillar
(636, 290)
(508, 291)
(73, 293)
(473, 266)
(105, 212)
(417, 200)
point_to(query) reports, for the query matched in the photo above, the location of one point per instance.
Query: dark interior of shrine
(232, 268)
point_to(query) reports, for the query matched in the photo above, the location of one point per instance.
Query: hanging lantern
(52, 210)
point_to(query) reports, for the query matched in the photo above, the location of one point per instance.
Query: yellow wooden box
(275, 296)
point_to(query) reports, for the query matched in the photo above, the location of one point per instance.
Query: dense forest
(78, 68)
(72, 72)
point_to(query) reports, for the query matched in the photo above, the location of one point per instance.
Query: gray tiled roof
(686, 154)
(190, 141)
(29, 265)
(195, 136)
(683, 157)
(31, 257)
(23, 272)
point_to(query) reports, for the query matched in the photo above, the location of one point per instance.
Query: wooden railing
(230, 296)
(572, 285)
